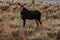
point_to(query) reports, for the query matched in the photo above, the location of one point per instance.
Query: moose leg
(40, 21)
(37, 23)
(24, 21)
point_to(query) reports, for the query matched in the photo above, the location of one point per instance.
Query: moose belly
(29, 17)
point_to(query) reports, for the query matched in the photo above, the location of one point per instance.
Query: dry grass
(11, 24)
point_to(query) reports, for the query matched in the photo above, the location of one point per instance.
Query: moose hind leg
(40, 21)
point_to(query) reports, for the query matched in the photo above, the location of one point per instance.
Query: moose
(30, 15)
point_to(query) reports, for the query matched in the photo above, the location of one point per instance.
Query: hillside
(11, 24)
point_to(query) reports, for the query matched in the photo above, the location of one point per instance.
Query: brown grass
(11, 24)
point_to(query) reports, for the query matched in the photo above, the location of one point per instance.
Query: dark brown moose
(30, 15)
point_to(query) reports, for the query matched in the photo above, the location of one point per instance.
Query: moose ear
(19, 4)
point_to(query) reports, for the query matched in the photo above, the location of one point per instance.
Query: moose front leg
(37, 23)
(24, 21)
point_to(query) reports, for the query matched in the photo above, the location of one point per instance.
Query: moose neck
(24, 9)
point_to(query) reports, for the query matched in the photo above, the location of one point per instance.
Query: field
(11, 24)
